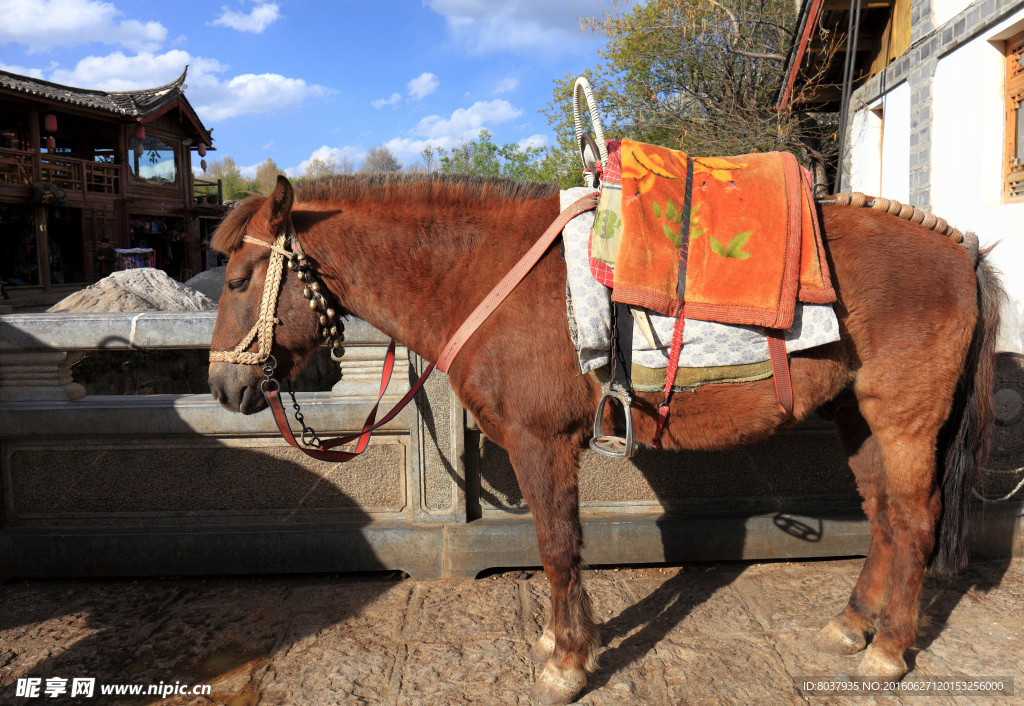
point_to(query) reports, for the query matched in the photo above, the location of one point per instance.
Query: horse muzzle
(237, 387)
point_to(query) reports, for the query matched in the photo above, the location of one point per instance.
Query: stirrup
(614, 446)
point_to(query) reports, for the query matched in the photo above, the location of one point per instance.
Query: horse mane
(385, 188)
(228, 236)
(436, 189)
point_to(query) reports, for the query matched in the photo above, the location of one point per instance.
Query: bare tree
(225, 169)
(380, 159)
(266, 175)
(326, 166)
(702, 76)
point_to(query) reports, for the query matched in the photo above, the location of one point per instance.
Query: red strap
(780, 370)
(323, 452)
(670, 375)
(509, 281)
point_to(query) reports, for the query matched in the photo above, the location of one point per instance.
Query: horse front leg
(547, 470)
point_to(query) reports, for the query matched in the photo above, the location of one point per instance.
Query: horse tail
(964, 439)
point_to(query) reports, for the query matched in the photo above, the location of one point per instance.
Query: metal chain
(306, 430)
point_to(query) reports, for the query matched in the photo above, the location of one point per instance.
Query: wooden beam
(839, 5)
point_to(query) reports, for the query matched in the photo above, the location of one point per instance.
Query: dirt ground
(700, 633)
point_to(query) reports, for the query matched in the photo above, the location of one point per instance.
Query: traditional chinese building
(78, 166)
(929, 95)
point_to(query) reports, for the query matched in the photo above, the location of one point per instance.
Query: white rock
(210, 282)
(142, 289)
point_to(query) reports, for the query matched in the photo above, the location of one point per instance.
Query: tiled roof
(133, 104)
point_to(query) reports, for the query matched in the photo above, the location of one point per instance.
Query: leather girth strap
(780, 370)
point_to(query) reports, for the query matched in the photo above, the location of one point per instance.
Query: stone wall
(172, 483)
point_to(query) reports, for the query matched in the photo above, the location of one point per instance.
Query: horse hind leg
(905, 417)
(547, 471)
(913, 504)
(847, 633)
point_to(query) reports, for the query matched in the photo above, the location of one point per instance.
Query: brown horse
(909, 385)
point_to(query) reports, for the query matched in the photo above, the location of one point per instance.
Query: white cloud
(486, 26)
(21, 70)
(408, 149)
(533, 141)
(213, 98)
(465, 123)
(381, 102)
(506, 85)
(338, 154)
(423, 85)
(44, 24)
(253, 93)
(122, 72)
(261, 17)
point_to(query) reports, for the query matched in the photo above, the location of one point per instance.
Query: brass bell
(315, 286)
(323, 320)
(302, 256)
(292, 265)
(306, 293)
(336, 344)
(312, 304)
(330, 313)
(323, 332)
(334, 330)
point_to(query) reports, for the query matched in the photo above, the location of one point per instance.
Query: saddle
(733, 240)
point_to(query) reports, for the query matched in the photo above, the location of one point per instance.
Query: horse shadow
(793, 483)
(211, 620)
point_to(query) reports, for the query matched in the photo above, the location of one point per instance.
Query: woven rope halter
(263, 329)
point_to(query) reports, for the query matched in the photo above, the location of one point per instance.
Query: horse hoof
(544, 648)
(877, 663)
(839, 640)
(557, 686)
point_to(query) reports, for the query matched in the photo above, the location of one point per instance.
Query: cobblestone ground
(700, 633)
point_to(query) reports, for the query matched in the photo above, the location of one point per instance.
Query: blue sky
(290, 79)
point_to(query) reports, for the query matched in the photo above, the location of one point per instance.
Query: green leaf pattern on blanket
(735, 247)
(695, 230)
(607, 224)
(674, 217)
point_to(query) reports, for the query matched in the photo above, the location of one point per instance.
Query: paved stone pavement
(700, 634)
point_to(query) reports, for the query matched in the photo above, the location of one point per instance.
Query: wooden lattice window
(1013, 181)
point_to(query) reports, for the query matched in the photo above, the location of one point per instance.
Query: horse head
(249, 276)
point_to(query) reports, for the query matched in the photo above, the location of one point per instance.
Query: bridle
(331, 328)
(333, 331)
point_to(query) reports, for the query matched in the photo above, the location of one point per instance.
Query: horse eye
(238, 284)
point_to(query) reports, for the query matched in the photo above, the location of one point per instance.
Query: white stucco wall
(895, 182)
(968, 122)
(865, 152)
(945, 10)
(880, 147)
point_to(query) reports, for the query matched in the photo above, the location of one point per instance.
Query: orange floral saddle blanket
(734, 240)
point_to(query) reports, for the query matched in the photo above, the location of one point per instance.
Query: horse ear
(278, 207)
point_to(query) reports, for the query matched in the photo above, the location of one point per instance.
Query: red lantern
(138, 150)
(203, 164)
(51, 143)
(140, 132)
(202, 149)
(50, 122)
